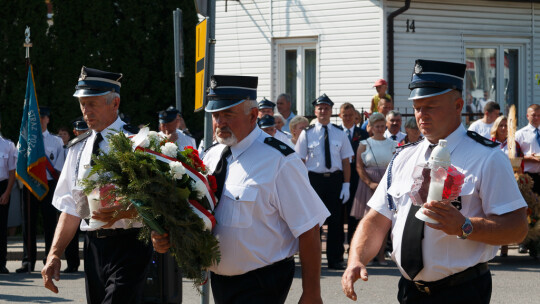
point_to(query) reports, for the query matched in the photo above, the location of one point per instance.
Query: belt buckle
(98, 234)
(327, 174)
(422, 287)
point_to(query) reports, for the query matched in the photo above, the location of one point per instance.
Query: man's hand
(373, 186)
(4, 199)
(160, 242)
(51, 270)
(344, 196)
(112, 214)
(355, 270)
(308, 298)
(449, 218)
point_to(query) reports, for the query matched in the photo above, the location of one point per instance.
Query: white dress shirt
(267, 203)
(80, 155)
(282, 136)
(310, 147)
(8, 158)
(489, 189)
(481, 128)
(183, 140)
(526, 137)
(54, 150)
(399, 135)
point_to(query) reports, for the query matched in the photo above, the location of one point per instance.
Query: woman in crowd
(297, 124)
(413, 134)
(372, 158)
(499, 133)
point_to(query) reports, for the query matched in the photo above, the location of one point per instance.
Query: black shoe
(24, 269)
(522, 249)
(336, 266)
(71, 269)
(4, 270)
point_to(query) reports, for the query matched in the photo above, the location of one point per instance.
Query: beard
(229, 141)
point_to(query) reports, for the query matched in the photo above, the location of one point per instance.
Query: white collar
(245, 143)
(46, 133)
(113, 128)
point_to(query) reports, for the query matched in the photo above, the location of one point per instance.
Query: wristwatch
(466, 229)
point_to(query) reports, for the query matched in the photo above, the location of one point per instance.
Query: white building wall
(350, 43)
(443, 28)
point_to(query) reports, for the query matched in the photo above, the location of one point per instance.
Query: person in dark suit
(355, 135)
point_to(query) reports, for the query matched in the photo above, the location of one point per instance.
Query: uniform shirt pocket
(3, 159)
(400, 190)
(463, 202)
(336, 145)
(237, 209)
(313, 149)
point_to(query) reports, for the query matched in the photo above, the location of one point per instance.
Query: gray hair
(279, 116)
(286, 96)
(393, 113)
(249, 104)
(111, 96)
(411, 124)
(297, 120)
(375, 117)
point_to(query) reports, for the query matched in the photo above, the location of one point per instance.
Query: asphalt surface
(516, 279)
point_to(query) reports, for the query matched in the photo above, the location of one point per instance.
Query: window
(493, 74)
(296, 72)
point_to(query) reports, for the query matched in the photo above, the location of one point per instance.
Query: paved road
(516, 279)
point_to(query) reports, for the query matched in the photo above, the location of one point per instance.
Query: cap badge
(83, 74)
(418, 69)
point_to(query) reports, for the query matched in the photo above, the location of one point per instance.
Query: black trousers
(475, 291)
(115, 268)
(30, 207)
(328, 187)
(270, 284)
(351, 221)
(4, 211)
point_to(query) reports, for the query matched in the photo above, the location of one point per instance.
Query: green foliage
(133, 37)
(160, 200)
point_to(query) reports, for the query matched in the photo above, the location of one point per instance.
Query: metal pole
(178, 56)
(208, 131)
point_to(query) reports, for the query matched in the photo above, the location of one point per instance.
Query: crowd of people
(289, 178)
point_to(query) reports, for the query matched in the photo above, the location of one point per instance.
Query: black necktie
(95, 148)
(349, 134)
(413, 233)
(327, 159)
(221, 171)
(394, 137)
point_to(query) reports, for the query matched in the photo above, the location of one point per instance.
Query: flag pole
(27, 44)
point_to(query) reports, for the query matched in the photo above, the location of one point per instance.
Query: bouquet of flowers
(171, 191)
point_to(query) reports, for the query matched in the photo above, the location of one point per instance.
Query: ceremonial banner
(32, 162)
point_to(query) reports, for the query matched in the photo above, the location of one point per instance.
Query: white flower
(177, 169)
(169, 149)
(199, 187)
(153, 135)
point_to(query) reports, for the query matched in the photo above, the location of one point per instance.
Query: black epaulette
(130, 129)
(482, 140)
(339, 127)
(279, 145)
(78, 139)
(309, 127)
(410, 144)
(213, 145)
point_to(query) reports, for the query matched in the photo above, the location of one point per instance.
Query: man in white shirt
(492, 110)
(393, 126)
(168, 121)
(267, 124)
(8, 164)
(266, 212)
(528, 138)
(444, 262)
(326, 150)
(54, 151)
(284, 108)
(115, 261)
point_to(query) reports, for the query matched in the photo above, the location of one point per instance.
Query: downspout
(390, 43)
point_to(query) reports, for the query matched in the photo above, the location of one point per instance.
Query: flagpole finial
(27, 44)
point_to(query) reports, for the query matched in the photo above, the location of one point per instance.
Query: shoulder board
(130, 128)
(213, 145)
(186, 132)
(78, 139)
(310, 127)
(278, 145)
(482, 140)
(339, 127)
(409, 144)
